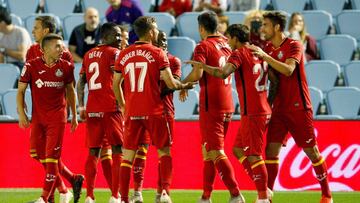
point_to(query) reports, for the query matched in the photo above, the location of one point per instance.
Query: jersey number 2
(261, 81)
(130, 68)
(94, 67)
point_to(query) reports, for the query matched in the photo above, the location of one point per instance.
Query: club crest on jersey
(280, 55)
(59, 73)
(39, 83)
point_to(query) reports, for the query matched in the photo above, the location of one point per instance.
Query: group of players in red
(129, 107)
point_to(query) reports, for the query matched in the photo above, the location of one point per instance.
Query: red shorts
(47, 139)
(156, 126)
(145, 140)
(298, 123)
(213, 129)
(251, 133)
(104, 125)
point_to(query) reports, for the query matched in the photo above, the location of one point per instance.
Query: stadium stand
(147, 5)
(181, 47)
(27, 7)
(77, 71)
(185, 110)
(16, 20)
(334, 7)
(101, 6)
(165, 21)
(352, 74)
(322, 74)
(6, 118)
(339, 48)
(285, 5)
(9, 103)
(57, 7)
(344, 101)
(318, 23)
(329, 117)
(346, 21)
(317, 98)
(9, 74)
(70, 22)
(235, 16)
(186, 25)
(355, 4)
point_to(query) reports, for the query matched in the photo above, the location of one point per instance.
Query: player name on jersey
(138, 52)
(94, 54)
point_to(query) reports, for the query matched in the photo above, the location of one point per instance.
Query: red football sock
(125, 173)
(321, 175)
(138, 169)
(247, 166)
(272, 167)
(106, 164)
(166, 172)
(226, 172)
(260, 178)
(116, 159)
(65, 172)
(60, 185)
(209, 173)
(52, 171)
(159, 190)
(90, 174)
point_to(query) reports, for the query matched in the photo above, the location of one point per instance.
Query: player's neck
(49, 61)
(278, 39)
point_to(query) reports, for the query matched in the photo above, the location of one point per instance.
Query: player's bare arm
(167, 90)
(286, 68)
(119, 95)
(172, 83)
(223, 72)
(80, 90)
(70, 92)
(274, 83)
(20, 102)
(193, 76)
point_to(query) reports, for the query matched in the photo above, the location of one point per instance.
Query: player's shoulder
(65, 62)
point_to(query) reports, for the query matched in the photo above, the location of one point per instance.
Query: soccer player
(49, 78)
(142, 65)
(216, 107)
(167, 98)
(251, 84)
(44, 25)
(292, 111)
(103, 116)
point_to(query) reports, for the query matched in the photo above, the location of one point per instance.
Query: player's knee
(213, 154)
(313, 153)
(254, 158)
(116, 149)
(143, 148)
(272, 149)
(238, 152)
(95, 151)
(165, 151)
(128, 154)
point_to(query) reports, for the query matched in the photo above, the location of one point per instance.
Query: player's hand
(257, 51)
(74, 124)
(183, 94)
(189, 85)
(195, 64)
(23, 121)
(82, 114)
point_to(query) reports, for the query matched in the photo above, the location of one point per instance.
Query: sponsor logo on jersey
(41, 72)
(39, 83)
(59, 73)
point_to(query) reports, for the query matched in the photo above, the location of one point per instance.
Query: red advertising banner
(339, 142)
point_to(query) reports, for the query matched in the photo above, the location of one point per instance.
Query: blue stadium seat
(318, 23)
(6, 118)
(16, 20)
(264, 4)
(60, 8)
(285, 5)
(185, 110)
(146, 5)
(181, 47)
(77, 71)
(101, 6)
(185, 70)
(329, 117)
(235, 17)
(30, 20)
(9, 103)
(187, 25)
(165, 21)
(22, 8)
(352, 74)
(346, 21)
(344, 101)
(322, 74)
(70, 22)
(355, 4)
(9, 74)
(236, 102)
(339, 48)
(334, 7)
(317, 98)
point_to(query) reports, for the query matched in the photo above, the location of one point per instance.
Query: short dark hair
(5, 15)
(209, 21)
(239, 31)
(276, 17)
(48, 38)
(107, 29)
(47, 22)
(123, 28)
(143, 25)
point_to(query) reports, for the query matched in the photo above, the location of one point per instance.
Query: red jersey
(175, 66)
(140, 65)
(98, 67)
(251, 82)
(215, 93)
(179, 6)
(48, 85)
(35, 51)
(293, 93)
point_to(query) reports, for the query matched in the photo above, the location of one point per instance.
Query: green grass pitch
(188, 196)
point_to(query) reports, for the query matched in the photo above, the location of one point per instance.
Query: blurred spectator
(223, 23)
(217, 6)
(124, 12)
(85, 36)
(176, 7)
(14, 42)
(124, 37)
(254, 21)
(244, 5)
(297, 30)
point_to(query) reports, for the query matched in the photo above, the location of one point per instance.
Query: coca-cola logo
(343, 161)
